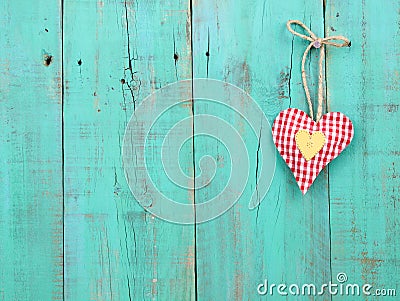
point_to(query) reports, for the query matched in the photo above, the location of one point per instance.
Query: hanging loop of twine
(320, 43)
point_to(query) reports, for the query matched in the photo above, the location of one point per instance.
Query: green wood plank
(114, 249)
(287, 238)
(364, 183)
(31, 231)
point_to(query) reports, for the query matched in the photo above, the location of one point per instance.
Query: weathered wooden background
(71, 73)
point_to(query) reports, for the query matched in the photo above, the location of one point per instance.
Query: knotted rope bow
(316, 43)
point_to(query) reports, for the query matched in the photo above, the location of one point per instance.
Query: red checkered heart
(335, 126)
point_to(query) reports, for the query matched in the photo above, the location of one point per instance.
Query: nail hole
(337, 15)
(46, 30)
(122, 81)
(47, 59)
(350, 44)
(207, 53)
(80, 62)
(176, 57)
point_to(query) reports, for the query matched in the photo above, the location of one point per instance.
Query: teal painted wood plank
(114, 249)
(31, 231)
(287, 238)
(364, 182)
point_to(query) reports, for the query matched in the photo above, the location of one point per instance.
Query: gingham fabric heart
(335, 126)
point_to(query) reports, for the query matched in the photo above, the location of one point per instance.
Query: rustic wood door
(73, 72)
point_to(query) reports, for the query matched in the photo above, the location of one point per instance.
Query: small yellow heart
(309, 145)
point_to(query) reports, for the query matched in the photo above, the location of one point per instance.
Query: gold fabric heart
(309, 145)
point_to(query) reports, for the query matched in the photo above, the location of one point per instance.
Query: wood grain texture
(95, 242)
(31, 229)
(116, 53)
(364, 83)
(287, 237)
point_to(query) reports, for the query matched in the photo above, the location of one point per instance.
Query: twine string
(320, 43)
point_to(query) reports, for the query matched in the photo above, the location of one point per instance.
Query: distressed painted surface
(364, 82)
(287, 237)
(31, 206)
(114, 250)
(68, 176)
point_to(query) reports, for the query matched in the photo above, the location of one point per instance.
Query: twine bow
(316, 43)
